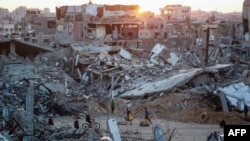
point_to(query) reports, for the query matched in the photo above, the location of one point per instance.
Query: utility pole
(207, 45)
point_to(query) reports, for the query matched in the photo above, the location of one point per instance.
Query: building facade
(176, 12)
(92, 21)
(37, 28)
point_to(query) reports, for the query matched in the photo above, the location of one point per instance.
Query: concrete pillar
(248, 18)
(12, 47)
(5, 115)
(4, 110)
(2, 63)
(101, 77)
(112, 82)
(91, 77)
(29, 113)
(207, 46)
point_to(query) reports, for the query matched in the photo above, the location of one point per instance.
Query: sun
(140, 11)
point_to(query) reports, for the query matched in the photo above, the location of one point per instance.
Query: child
(130, 117)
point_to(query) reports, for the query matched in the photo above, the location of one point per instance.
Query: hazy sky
(145, 5)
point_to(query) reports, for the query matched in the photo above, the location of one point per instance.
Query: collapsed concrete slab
(22, 48)
(237, 94)
(184, 76)
(91, 48)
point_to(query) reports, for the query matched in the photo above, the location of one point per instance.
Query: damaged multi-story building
(122, 24)
(93, 21)
(171, 27)
(37, 28)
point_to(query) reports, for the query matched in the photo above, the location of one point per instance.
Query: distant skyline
(224, 6)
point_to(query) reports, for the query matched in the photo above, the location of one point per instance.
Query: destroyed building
(37, 28)
(84, 72)
(91, 21)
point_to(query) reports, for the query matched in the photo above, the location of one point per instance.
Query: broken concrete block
(158, 48)
(125, 54)
(79, 131)
(113, 93)
(246, 77)
(121, 123)
(79, 72)
(173, 59)
(126, 77)
(85, 78)
(182, 105)
(71, 131)
(46, 133)
(153, 59)
(51, 128)
(77, 58)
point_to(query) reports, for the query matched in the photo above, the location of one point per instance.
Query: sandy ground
(165, 111)
(184, 131)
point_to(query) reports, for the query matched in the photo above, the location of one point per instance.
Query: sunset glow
(145, 5)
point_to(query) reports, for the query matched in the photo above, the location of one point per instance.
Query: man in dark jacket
(112, 106)
(245, 110)
(76, 124)
(88, 119)
(147, 115)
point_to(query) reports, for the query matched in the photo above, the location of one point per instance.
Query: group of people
(87, 119)
(129, 117)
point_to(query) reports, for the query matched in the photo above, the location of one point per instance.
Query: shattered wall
(120, 10)
(69, 24)
(246, 16)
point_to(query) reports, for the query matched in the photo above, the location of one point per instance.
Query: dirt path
(184, 131)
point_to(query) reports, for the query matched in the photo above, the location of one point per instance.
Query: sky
(224, 6)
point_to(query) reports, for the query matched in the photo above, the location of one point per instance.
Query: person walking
(112, 106)
(51, 122)
(146, 114)
(127, 112)
(245, 110)
(76, 124)
(130, 117)
(88, 120)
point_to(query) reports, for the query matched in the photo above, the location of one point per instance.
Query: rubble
(166, 85)
(75, 78)
(66, 79)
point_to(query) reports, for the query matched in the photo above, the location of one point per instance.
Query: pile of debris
(65, 80)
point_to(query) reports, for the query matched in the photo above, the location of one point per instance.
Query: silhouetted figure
(245, 110)
(88, 119)
(127, 114)
(222, 123)
(112, 106)
(147, 115)
(76, 124)
(51, 122)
